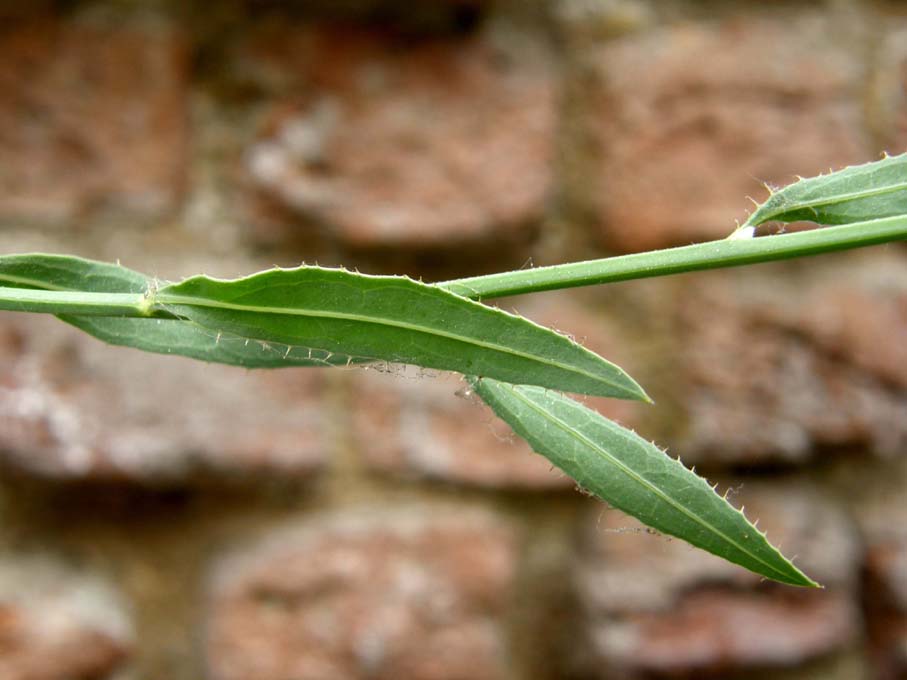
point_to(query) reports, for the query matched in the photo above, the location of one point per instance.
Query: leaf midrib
(22, 280)
(163, 299)
(642, 480)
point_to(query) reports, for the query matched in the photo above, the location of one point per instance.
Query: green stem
(711, 255)
(76, 302)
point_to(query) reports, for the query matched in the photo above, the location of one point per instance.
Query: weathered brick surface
(780, 368)
(387, 142)
(888, 88)
(90, 117)
(430, 143)
(58, 623)
(693, 116)
(651, 604)
(417, 427)
(886, 567)
(881, 508)
(410, 594)
(431, 428)
(72, 408)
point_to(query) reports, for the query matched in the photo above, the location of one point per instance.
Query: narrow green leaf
(635, 476)
(67, 272)
(855, 194)
(159, 335)
(305, 316)
(394, 319)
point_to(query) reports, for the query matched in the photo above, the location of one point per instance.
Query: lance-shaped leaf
(160, 335)
(635, 476)
(67, 272)
(394, 319)
(856, 194)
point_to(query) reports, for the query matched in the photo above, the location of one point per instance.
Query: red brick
(888, 88)
(427, 428)
(90, 117)
(888, 562)
(881, 508)
(418, 427)
(57, 623)
(859, 316)
(691, 118)
(654, 604)
(72, 408)
(715, 629)
(786, 367)
(387, 142)
(886, 566)
(416, 594)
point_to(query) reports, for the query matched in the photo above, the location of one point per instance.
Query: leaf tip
(804, 581)
(625, 387)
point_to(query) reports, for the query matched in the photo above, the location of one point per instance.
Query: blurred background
(161, 518)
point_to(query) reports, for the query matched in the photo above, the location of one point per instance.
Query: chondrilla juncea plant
(313, 316)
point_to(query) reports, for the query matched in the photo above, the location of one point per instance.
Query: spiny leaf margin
(858, 193)
(632, 474)
(393, 319)
(288, 316)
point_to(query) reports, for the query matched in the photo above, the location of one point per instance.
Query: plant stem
(711, 255)
(76, 302)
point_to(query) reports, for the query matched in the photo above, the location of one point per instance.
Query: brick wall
(166, 519)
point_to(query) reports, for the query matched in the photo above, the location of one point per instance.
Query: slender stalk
(76, 302)
(711, 255)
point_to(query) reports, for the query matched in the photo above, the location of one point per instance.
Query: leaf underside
(393, 319)
(311, 316)
(858, 193)
(635, 476)
(160, 336)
